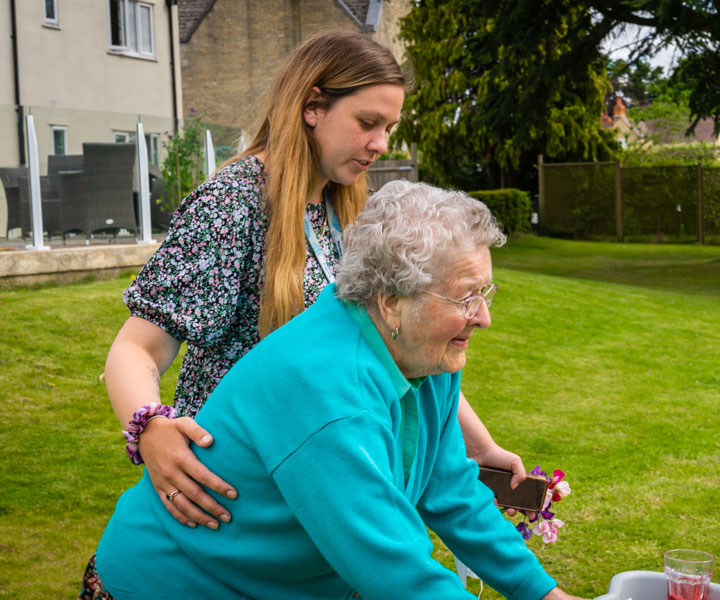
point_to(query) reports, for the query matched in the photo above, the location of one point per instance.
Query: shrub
(183, 167)
(511, 208)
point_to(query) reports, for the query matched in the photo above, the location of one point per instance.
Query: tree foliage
(182, 169)
(637, 83)
(500, 81)
(693, 25)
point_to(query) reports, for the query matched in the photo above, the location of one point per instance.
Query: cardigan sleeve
(345, 496)
(461, 510)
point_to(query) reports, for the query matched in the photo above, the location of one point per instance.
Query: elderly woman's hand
(558, 594)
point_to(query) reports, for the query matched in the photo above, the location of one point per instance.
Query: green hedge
(511, 208)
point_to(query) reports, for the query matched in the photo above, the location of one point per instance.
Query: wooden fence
(606, 199)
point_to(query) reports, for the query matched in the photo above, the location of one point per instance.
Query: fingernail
(225, 517)
(193, 525)
(206, 439)
(232, 494)
(213, 524)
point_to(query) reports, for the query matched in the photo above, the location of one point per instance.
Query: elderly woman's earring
(395, 333)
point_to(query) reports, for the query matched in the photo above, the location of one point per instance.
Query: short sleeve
(212, 256)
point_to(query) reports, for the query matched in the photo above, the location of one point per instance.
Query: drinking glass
(688, 574)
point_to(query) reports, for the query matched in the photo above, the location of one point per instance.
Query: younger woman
(249, 249)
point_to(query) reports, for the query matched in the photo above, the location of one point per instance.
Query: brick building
(230, 49)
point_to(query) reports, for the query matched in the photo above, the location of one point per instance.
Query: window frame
(130, 32)
(153, 145)
(55, 129)
(122, 137)
(54, 20)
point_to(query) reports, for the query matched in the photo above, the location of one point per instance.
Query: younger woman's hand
(498, 457)
(172, 466)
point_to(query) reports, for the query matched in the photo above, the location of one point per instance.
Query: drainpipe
(16, 78)
(170, 4)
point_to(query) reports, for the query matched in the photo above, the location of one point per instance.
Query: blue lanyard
(335, 234)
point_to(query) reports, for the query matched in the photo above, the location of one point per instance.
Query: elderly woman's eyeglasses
(472, 305)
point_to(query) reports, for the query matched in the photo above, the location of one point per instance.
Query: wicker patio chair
(49, 191)
(160, 216)
(9, 177)
(100, 197)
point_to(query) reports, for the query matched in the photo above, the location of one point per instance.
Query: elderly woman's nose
(482, 319)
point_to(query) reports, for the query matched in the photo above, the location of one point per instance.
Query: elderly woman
(342, 426)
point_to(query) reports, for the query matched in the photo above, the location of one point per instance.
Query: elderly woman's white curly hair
(403, 236)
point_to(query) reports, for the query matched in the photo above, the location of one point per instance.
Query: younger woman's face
(353, 132)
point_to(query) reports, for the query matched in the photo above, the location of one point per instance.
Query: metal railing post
(209, 154)
(34, 186)
(143, 187)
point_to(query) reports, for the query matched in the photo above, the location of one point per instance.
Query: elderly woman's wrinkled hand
(558, 594)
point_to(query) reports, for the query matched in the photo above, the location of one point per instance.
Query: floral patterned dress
(203, 284)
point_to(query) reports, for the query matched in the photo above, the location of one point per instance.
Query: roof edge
(372, 20)
(186, 38)
(362, 26)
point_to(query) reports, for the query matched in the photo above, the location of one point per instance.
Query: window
(120, 137)
(59, 139)
(153, 145)
(51, 12)
(131, 27)
(152, 142)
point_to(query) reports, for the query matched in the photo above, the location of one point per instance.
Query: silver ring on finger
(171, 496)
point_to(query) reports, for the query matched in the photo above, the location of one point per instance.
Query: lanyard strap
(335, 234)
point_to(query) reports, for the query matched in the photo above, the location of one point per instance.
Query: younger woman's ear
(312, 105)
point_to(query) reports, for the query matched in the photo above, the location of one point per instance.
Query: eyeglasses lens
(490, 296)
(472, 308)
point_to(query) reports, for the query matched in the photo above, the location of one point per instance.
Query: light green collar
(406, 389)
(376, 343)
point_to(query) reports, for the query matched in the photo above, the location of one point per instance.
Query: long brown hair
(339, 63)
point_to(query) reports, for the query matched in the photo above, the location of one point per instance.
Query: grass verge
(602, 360)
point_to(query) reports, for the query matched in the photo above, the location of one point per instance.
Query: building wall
(230, 60)
(389, 27)
(8, 118)
(69, 77)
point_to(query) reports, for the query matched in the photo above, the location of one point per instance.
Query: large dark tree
(500, 81)
(691, 25)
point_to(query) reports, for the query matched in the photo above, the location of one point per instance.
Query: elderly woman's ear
(390, 309)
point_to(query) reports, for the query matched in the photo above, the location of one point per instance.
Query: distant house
(86, 70)
(231, 49)
(615, 117)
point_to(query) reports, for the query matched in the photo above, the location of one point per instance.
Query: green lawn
(602, 360)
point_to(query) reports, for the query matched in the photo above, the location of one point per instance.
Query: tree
(693, 25)
(500, 81)
(637, 83)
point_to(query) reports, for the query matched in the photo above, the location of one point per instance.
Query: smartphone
(529, 495)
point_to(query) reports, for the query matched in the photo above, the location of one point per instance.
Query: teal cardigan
(340, 463)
